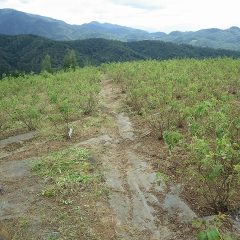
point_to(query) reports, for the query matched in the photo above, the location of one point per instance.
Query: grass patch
(65, 168)
(72, 186)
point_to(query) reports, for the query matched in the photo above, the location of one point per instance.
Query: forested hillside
(24, 53)
(14, 22)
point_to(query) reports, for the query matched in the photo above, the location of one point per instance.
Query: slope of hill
(14, 22)
(24, 53)
(214, 38)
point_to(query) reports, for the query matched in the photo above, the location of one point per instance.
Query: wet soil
(16, 139)
(143, 207)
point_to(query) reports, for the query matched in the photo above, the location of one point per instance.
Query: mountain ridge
(13, 22)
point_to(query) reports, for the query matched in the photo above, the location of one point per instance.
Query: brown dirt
(29, 215)
(137, 201)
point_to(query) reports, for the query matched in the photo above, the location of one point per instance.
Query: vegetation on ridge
(19, 54)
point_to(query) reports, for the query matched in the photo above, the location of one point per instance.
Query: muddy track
(134, 189)
(142, 207)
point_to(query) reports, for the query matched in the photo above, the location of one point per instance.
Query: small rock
(236, 224)
(236, 214)
(70, 132)
(92, 160)
(107, 144)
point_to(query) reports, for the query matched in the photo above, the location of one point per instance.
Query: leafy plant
(209, 234)
(215, 169)
(171, 138)
(211, 229)
(161, 178)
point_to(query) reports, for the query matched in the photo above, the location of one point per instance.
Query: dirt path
(142, 206)
(134, 189)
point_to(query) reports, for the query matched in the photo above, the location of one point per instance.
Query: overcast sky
(158, 15)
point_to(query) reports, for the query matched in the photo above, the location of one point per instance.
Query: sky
(158, 15)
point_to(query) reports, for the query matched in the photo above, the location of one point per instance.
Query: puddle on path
(10, 209)
(131, 197)
(18, 193)
(16, 139)
(100, 140)
(113, 179)
(12, 170)
(142, 183)
(134, 190)
(125, 127)
(175, 206)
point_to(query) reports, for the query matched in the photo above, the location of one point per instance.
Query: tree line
(69, 62)
(25, 53)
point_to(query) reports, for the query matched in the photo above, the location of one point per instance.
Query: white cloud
(24, 1)
(141, 4)
(158, 15)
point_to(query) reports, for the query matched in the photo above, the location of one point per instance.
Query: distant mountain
(213, 37)
(14, 22)
(24, 53)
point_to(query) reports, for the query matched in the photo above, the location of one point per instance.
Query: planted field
(155, 149)
(194, 108)
(47, 103)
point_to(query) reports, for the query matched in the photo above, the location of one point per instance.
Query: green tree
(46, 64)
(70, 60)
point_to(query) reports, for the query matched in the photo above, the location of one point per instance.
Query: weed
(211, 229)
(161, 178)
